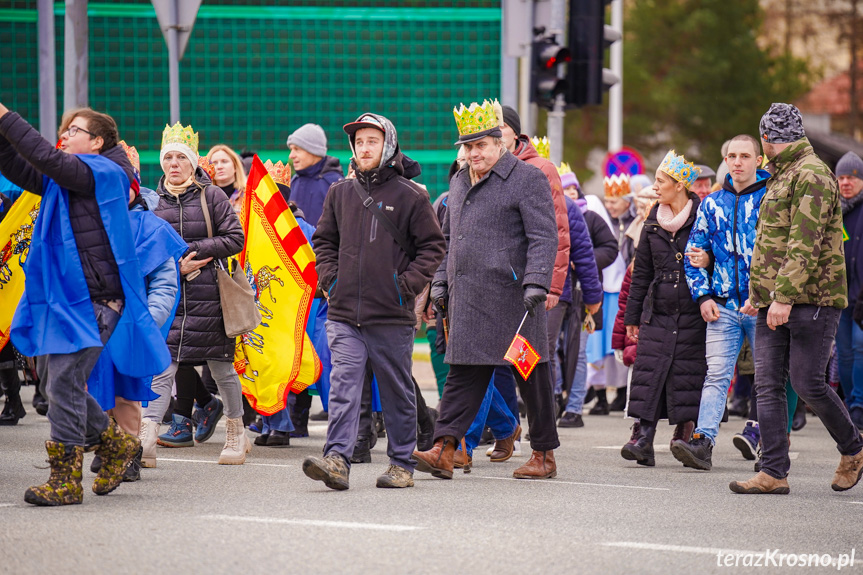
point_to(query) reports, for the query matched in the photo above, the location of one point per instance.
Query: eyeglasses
(75, 129)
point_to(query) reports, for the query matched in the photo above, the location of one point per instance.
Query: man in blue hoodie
(724, 235)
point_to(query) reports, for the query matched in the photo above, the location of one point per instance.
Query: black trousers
(464, 391)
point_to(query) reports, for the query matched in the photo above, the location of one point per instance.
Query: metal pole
(508, 81)
(174, 63)
(556, 116)
(615, 94)
(524, 91)
(75, 74)
(47, 71)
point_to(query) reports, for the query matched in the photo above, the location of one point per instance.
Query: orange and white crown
(132, 153)
(543, 148)
(281, 173)
(617, 186)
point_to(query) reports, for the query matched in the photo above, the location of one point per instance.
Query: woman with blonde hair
(228, 174)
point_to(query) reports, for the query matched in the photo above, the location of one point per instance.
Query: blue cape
(55, 314)
(155, 243)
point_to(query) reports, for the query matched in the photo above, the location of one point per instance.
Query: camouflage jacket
(798, 256)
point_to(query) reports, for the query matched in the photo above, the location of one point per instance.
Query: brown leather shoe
(683, 431)
(439, 459)
(761, 484)
(503, 448)
(458, 461)
(541, 465)
(848, 473)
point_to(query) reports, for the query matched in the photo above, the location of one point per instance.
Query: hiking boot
(64, 484)
(331, 469)
(570, 419)
(206, 418)
(541, 465)
(179, 434)
(459, 461)
(148, 435)
(237, 445)
(747, 440)
(619, 402)
(439, 459)
(503, 448)
(12, 411)
(848, 473)
(641, 450)
(761, 484)
(695, 454)
(362, 451)
(682, 432)
(636, 432)
(117, 449)
(396, 477)
(133, 471)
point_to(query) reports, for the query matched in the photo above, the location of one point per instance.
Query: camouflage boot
(64, 485)
(117, 449)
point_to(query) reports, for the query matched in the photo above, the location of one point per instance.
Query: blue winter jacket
(309, 187)
(725, 228)
(582, 266)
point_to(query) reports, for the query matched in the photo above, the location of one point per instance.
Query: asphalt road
(601, 515)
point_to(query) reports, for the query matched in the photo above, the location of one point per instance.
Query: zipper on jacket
(360, 259)
(182, 323)
(332, 287)
(398, 291)
(514, 276)
(734, 247)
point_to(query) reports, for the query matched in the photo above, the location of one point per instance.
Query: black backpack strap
(376, 211)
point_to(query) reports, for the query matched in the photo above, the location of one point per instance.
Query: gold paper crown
(207, 166)
(478, 118)
(678, 168)
(280, 172)
(563, 168)
(616, 186)
(178, 134)
(132, 153)
(542, 146)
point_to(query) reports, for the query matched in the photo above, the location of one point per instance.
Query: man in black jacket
(371, 281)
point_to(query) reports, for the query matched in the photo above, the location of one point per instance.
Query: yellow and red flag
(16, 229)
(277, 357)
(521, 354)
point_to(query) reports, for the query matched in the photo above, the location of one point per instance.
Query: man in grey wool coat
(501, 245)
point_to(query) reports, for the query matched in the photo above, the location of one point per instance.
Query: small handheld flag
(521, 354)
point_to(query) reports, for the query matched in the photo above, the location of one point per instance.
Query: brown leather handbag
(239, 310)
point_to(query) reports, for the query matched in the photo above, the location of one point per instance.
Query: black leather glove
(534, 295)
(439, 298)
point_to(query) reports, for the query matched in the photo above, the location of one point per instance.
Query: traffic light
(545, 84)
(589, 38)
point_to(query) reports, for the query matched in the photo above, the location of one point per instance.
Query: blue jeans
(724, 340)
(279, 421)
(849, 346)
(575, 403)
(494, 412)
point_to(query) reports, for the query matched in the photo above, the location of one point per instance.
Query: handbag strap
(376, 211)
(206, 209)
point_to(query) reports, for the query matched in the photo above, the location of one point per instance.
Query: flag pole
(521, 324)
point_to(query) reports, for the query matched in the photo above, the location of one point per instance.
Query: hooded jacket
(582, 266)
(309, 186)
(368, 277)
(725, 227)
(525, 152)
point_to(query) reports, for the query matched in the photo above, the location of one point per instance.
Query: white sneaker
(148, 435)
(516, 448)
(237, 445)
(490, 450)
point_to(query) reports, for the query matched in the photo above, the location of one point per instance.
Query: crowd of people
(658, 293)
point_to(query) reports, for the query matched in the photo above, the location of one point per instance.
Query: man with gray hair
(799, 287)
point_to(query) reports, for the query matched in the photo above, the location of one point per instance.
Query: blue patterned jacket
(725, 228)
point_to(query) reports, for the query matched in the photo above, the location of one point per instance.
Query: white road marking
(556, 482)
(216, 462)
(661, 447)
(8, 504)
(315, 523)
(677, 548)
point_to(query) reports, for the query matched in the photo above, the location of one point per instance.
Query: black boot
(40, 404)
(14, 409)
(601, 405)
(300, 414)
(696, 454)
(362, 451)
(619, 400)
(641, 451)
(425, 430)
(798, 422)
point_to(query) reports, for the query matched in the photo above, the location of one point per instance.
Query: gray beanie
(782, 124)
(850, 165)
(311, 138)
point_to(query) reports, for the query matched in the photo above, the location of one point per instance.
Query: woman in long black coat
(661, 315)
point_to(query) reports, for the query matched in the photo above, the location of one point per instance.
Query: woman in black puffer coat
(197, 334)
(661, 315)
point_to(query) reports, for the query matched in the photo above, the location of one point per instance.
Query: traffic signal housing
(545, 83)
(589, 38)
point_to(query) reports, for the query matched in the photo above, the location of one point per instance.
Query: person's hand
(551, 301)
(632, 332)
(189, 264)
(439, 298)
(777, 314)
(428, 315)
(698, 258)
(748, 309)
(592, 308)
(533, 296)
(709, 311)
